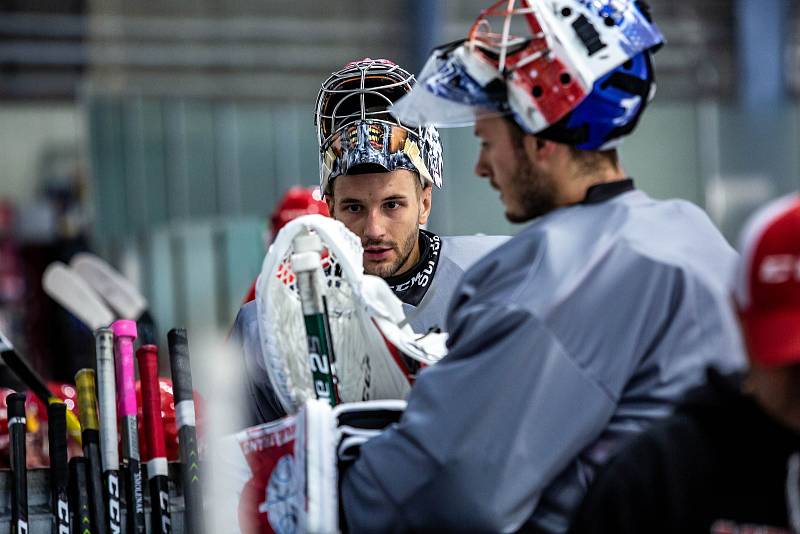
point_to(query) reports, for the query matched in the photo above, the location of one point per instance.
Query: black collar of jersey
(411, 286)
(601, 192)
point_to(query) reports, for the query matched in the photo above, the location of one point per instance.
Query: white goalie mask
(366, 321)
(354, 127)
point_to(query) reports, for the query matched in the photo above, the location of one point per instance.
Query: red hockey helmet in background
(297, 201)
(168, 417)
(768, 286)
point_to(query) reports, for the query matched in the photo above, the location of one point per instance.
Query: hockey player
(377, 175)
(728, 461)
(584, 327)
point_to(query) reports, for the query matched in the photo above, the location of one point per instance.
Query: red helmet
(296, 202)
(168, 417)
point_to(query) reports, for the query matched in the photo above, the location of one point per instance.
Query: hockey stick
(185, 419)
(307, 265)
(124, 336)
(57, 441)
(64, 286)
(87, 407)
(107, 402)
(157, 472)
(31, 378)
(19, 473)
(120, 294)
(78, 497)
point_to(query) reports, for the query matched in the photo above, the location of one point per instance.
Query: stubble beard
(535, 193)
(403, 253)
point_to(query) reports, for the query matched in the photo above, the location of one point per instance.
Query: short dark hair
(588, 160)
(591, 159)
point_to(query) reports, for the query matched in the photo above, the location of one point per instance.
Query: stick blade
(64, 286)
(117, 290)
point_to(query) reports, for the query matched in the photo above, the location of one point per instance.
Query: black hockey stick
(78, 496)
(19, 473)
(185, 419)
(57, 442)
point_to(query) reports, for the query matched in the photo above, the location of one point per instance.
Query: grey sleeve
(261, 404)
(485, 431)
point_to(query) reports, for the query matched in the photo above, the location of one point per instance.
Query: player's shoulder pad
(467, 249)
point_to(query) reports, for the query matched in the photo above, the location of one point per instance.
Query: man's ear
(329, 201)
(425, 199)
(537, 149)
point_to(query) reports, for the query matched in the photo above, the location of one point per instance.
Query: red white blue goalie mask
(540, 61)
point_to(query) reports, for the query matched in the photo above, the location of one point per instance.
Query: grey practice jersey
(565, 340)
(451, 257)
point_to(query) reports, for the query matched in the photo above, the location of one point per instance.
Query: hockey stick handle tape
(106, 397)
(153, 425)
(124, 336)
(180, 365)
(15, 403)
(59, 470)
(87, 399)
(57, 442)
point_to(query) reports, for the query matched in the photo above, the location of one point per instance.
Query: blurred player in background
(584, 327)
(377, 175)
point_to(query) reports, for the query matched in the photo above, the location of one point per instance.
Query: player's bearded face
(534, 192)
(526, 192)
(385, 210)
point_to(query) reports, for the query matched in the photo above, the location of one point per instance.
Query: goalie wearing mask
(583, 328)
(377, 176)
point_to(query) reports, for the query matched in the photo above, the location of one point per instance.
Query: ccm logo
(779, 268)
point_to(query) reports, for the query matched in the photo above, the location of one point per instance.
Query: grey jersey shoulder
(465, 250)
(457, 255)
(561, 249)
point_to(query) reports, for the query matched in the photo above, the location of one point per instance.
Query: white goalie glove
(365, 319)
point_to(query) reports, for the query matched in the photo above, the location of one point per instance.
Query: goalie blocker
(283, 475)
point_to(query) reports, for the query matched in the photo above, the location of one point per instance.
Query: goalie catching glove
(367, 333)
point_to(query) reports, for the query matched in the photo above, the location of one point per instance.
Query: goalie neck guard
(355, 129)
(577, 72)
